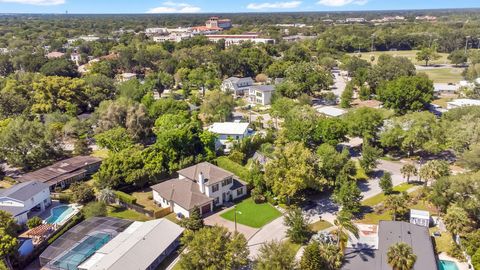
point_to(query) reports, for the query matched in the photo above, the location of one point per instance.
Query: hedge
(233, 167)
(126, 198)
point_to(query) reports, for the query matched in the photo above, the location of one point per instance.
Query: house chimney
(201, 182)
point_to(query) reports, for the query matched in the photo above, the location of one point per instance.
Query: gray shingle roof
(183, 192)
(23, 191)
(211, 173)
(390, 233)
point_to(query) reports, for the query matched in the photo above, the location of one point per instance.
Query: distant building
(372, 253)
(260, 94)
(298, 25)
(425, 18)
(331, 111)
(419, 217)
(4, 50)
(237, 86)
(65, 172)
(156, 31)
(458, 103)
(23, 199)
(296, 38)
(127, 76)
(174, 37)
(203, 185)
(445, 88)
(143, 245)
(216, 22)
(239, 39)
(355, 20)
(54, 55)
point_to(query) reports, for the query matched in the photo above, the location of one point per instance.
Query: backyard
(118, 212)
(251, 214)
(444, 75)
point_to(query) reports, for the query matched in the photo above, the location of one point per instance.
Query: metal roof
(137, 247)
(229, 128)
(23, 191)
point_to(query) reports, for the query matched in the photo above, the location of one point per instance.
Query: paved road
(340, 82)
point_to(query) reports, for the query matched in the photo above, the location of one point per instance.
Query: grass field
(442, 102)
(320, 225)
(444, 75)
(114, 211)
(409, 54)
(251, 214)
(444, 242)
(101, 153)
(374, 218)
(5, 184)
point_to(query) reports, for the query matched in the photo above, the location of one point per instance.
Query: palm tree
(344, 225)
(433, 170)
(408, 170)
(395, 203)
(400, 256)
(457, 220)
(106, 195)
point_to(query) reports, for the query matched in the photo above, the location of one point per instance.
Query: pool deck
(48, 211)
(460, 265)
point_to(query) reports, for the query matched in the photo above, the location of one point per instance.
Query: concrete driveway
(273, 231)
(216, 219)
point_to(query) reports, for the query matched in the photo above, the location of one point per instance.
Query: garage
(206, 209)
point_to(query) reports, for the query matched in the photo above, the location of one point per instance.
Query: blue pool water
(447, 265)
(78, 254)
(59, 214)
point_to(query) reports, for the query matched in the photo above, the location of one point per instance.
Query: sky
(220, 6)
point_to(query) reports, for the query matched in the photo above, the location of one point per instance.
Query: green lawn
(293, 246)
(233, 167)
(442, 102)
(374, 218)
(412, 55)
(101, 153)
(320, 225)
(360, 174)
(251, 214)
(172, 217)
(145, 199)
(381, 197)
(444, 75)
(114, 211)
(444, 242)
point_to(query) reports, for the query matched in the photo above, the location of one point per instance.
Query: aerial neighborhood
(259, 138)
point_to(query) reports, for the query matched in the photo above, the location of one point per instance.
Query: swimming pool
(447, 265)
(60, 214)
(71, 259)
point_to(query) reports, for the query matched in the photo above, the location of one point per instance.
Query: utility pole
(466, 43)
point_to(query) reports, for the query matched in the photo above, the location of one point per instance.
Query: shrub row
(126, 198)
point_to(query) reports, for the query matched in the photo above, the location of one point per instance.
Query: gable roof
(183, 192)
(211, 173)
(23, 191)
(240, 80)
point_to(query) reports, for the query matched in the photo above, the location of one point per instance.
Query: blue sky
(206, 6)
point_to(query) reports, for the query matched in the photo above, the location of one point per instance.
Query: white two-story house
(203, 185)
(229, 132)
(24, 198)
(236, 86)
(261, 94)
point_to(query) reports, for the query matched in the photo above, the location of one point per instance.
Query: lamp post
(466, 43)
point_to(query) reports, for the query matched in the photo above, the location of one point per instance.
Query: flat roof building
(64, 172)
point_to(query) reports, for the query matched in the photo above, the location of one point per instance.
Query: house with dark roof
(203, 185)
(237, 86)
(374, 257)
(25, 198)
(65, 172)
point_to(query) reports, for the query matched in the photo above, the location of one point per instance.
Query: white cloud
(172, 7)
(276, 5)
(36, 2)
(340, 3)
